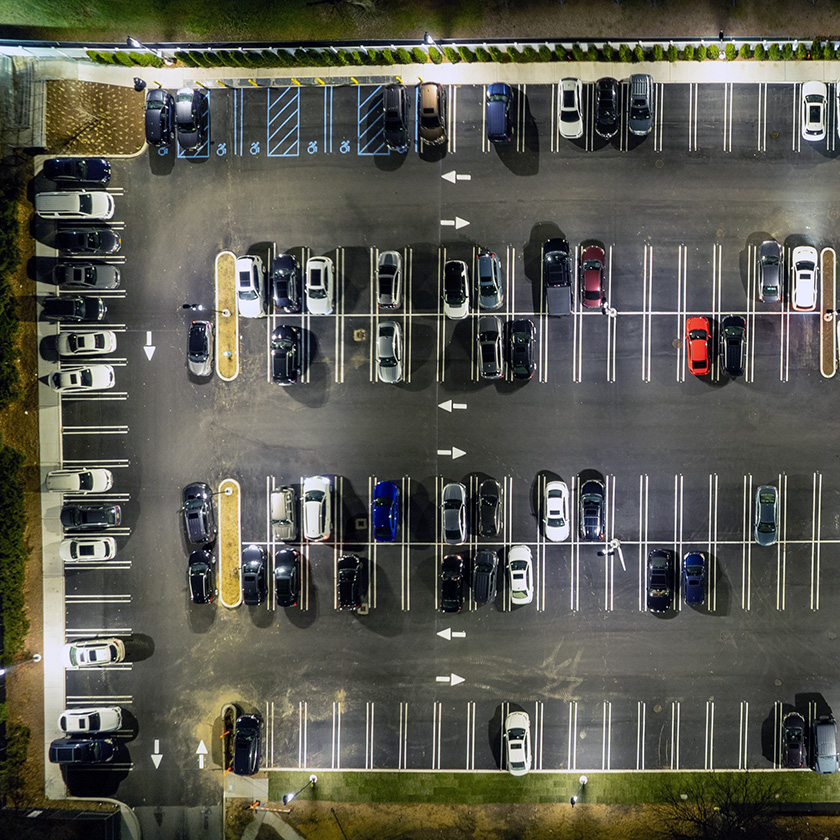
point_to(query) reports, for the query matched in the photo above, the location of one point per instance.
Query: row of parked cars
(187, 113)
(823, 743)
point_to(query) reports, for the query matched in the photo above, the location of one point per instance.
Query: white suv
(250, 286)
(75, 204)
(317, 508)
(319, 285)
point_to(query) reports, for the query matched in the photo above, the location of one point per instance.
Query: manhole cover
(676, 343)
(719, 233)
(777, 683)
(359, 335)
(657, 708)
(659, 163)
(360, 523)
(774, 135)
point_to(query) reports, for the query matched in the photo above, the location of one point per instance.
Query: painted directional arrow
(457, 222)
(452, 679)
(454, 452)
(453, 176)
(156, 755)
(449, 634)
(149, 347)
(448, 405)
(201, 752)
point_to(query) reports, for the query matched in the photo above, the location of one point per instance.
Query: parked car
(452, 583)
(389, 367)
(254, 574)
(86, 276)
(485, 570)
(191, 113)
(385, 511)
(78, 170)
(94, 343)
(456, 289)
(640, 121)
(89, 517)
(348, 582)
(200, 348)
(766, 515)
(432, 113)
(80, 480)
(93, 241)
(90, 720)
(694, 578)
(88, 653)
(805, 278)
(87, 549)
(824, 744)
(490, 293)
(453, 513)
(520, 574)
(557, 276)
(287, 577)
(489, 508)
(556, 511)
(489, 338)
(522, 340)
(395, 115)
(286, 284)
(497, 113)
(92, 206)
(250, 286)
(74, 308)
(606, 108)
(199, 513)
(571, 108)
(247, 744)
(698, 345)
(285, 354)
(76, 380)
(814, 107)
(593, 263)
(733, 344)
(317, 507)
(389, 280)
(160, 117)
(660, 587)
(769, 271)
(82, 750)
(201, 577)
(794, 744)
(319, 285)
(593, 505)
(283, 505)
(517, 735)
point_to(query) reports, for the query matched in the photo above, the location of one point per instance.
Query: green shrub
(688, 52)
(592, 53)
(185, 58)
(514, 55)
(12, 549)
(451, 55)
(639, 54)
(199, 58)
(467, 54)
(356, 58)
(125, 59)
(731, 52)
(828, 51)
(530, 54)
(577, 52)
(787, 52)
(816, 50)
(624, 53)
(561, 53)
(713, 52)
(545, 53)
(387, 57)
(482, 54)
(774, 53)
(13, 791)
(745, 51)
(373, 58)
(403, 56)
(435, 56)
(658, 52)
(213, 59)
(341, 58)
(419, 55)
(302, 57)
(498, 56)
(700, 54)
(802, 52)
(759, 53)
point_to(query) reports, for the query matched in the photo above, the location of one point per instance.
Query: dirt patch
(227, 326)
(230, 586)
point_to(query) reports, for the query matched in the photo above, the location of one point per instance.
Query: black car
(286, 284)
(287, 577)
(247, 744)
(606, 108)
(74, 308)
(733, 344)
(522, 338)
(160, 117)
(253, 575)
(200, 577)
(348, 583)
(199, 515)
(489, 508)
(285, 354)
(395, 112)
(592, 508)
(200, 348)
(660, 580)
(485, 572)
(76, 518)
(191, 117)
(794, 744)
(78, 170)
(82, 750)
(452, 583)
(88, 241)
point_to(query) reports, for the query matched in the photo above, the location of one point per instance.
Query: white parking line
(440, 319)
(647, 307)
(644, 486)
(94, 430)
(717, 296)
(97, 599)
(678, 534)
(405, 545)
(303, 733)
(641, 712)
(761, 122)
(574, 566)
(728, 94)
(402, 757)
(746, 543)
(611, 322)
(373, 254)
(335, 743)
(743, 732)
(778, 718)
(469, 763)
(794, 123)
(682, 294)
(437, 715)
(553, 129)
(408, 321)
(369, 722)
(709, 744)
(659, 113)
(453, 120)
(692, 116)
(816, 522)
(572, 756)
(781, 551)
(713, 540)
(521, 101)
(675, 735)
(606, 735)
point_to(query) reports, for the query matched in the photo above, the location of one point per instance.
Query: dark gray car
(88, 241)
(641, 104)
(453, 513)
(253, 575)
(770, 271)
(191, 117)
(490, 347)
(86, 276)
(490, 294)
(389, 280)
(766, 514)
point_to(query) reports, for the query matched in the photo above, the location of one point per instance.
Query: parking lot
(401, 685)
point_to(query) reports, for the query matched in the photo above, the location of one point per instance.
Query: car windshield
(698, 334)
(694, 571)
(314, 496)
(804, 266)
(770, 259)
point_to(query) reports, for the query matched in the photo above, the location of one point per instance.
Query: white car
(456, 289)
(837, 105)
(570, 113)
(80, 481)
(250, 286)
(88, 721)
(518, 743)
(803, 296)
(91, 378)
(389, 352)
(813, 110)
(319, 285)
(87, 549)
(95, 343)
(317, 507)
(91, 652)
(556, 511)
(521, 574)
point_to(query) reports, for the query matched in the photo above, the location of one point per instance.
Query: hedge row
(9, 262)
(12, 553)
(333, 57)
(12, 766)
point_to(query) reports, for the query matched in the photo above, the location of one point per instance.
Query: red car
(592, 264)
(698, 342)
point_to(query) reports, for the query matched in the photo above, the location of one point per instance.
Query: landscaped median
(230, 584)
(227, 317)
(828, 323)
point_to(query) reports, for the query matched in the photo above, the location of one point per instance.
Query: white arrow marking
(457, 222)
(202, 750)
(462, 406)
(450, 634)
(452, 679)
(446, 406)
(149, 347)
(201, 762)
(457, 453)
(446, 634)
(157, 746)
(444, 451)
(464, 177)
(453, 176)
(459, 634)
(157, 759)
(148, 337)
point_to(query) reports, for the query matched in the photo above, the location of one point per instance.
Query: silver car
(490, 294)
(284, 514)
(389, 352)
(769, 271)
(86, 276)
(200, 348)
(389, 280)
(453, 513)
(766, 515)
(490, 347)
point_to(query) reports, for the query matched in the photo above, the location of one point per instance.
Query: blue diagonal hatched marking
(283, 122)
(371, 122)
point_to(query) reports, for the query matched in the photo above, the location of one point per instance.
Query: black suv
(78, 170)
(286, 284)
(795, 750)
(286, 577)
(523, 337)
(74, 308)
(485, 570)
(191, 117)
(247, 745)
(489, 508)
(452, 583)
(395, 111)
(285, 354)
(90, 517)
(199, 515)
(88, 241)
(200, 577)
(733, 344)
(349, 583)
(253, 575)
(660, 580)
(160, 117)
(82, 750)
(592, 507)
(606, 108)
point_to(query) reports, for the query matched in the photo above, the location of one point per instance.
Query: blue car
(385, 509)
(694, 578)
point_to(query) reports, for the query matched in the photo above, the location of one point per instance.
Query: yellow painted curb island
(230, 582)
(227, 317)
(828, 321)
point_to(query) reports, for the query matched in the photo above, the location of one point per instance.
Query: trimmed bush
(700, 55)
(13, 774)
(816, 50)
(673, 53)
(787, 52)
(199, 59)
(530, 54)
(451, 55)
(12, 550)
(342, 59)
(545, 53)
(435, 55)
(561, 53)
(124, 59)
(419, 55)
(302, 58)
(760, 52)
(514, 55)
(498, 56)
(185, 58)
(387, 57)
(745, 51)
(658, 52)
(577, 52)
(639, 54)
(607, 52)
(403, 56)
(688, 52)
(467, 54)
(592, 53)
(828, 52)
(802, 52)
(213, 59)
(624, 53)
(713, 52)
(731, 52)
(482, 54)
(373, 57)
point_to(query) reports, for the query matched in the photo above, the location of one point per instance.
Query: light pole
(5, 669)
(290, 796)
(198, 307)
(583, 780)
